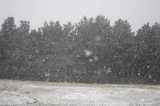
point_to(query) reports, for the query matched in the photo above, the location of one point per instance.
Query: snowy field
(20, 93)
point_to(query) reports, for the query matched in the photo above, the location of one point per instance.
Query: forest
(89, 51)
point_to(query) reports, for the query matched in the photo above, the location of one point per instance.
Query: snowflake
(43, 60)
(37, 51)
(109, 70)
(88, 52)
(150, 76)
(95, 58)
(53, 43)
(148, 66)
(90, 60)
(47, 74)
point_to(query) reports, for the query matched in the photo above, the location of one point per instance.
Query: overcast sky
(137, 12)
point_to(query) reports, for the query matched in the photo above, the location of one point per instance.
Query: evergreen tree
(123, 38)
(147, 54)
(8, 46)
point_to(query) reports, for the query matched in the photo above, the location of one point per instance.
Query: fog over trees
(89, 51)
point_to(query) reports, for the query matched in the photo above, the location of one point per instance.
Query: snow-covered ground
(28, 93)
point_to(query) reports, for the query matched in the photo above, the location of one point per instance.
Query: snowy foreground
(57, 94)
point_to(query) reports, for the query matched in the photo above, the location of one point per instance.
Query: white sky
(137, 12)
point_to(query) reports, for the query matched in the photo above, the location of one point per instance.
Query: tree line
(90, 51)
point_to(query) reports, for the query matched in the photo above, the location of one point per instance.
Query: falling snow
(88, 52)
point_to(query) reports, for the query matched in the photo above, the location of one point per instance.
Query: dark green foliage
(7, 48)
(91, 51)
(147, 54)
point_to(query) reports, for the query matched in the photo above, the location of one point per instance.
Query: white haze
(137, 12)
